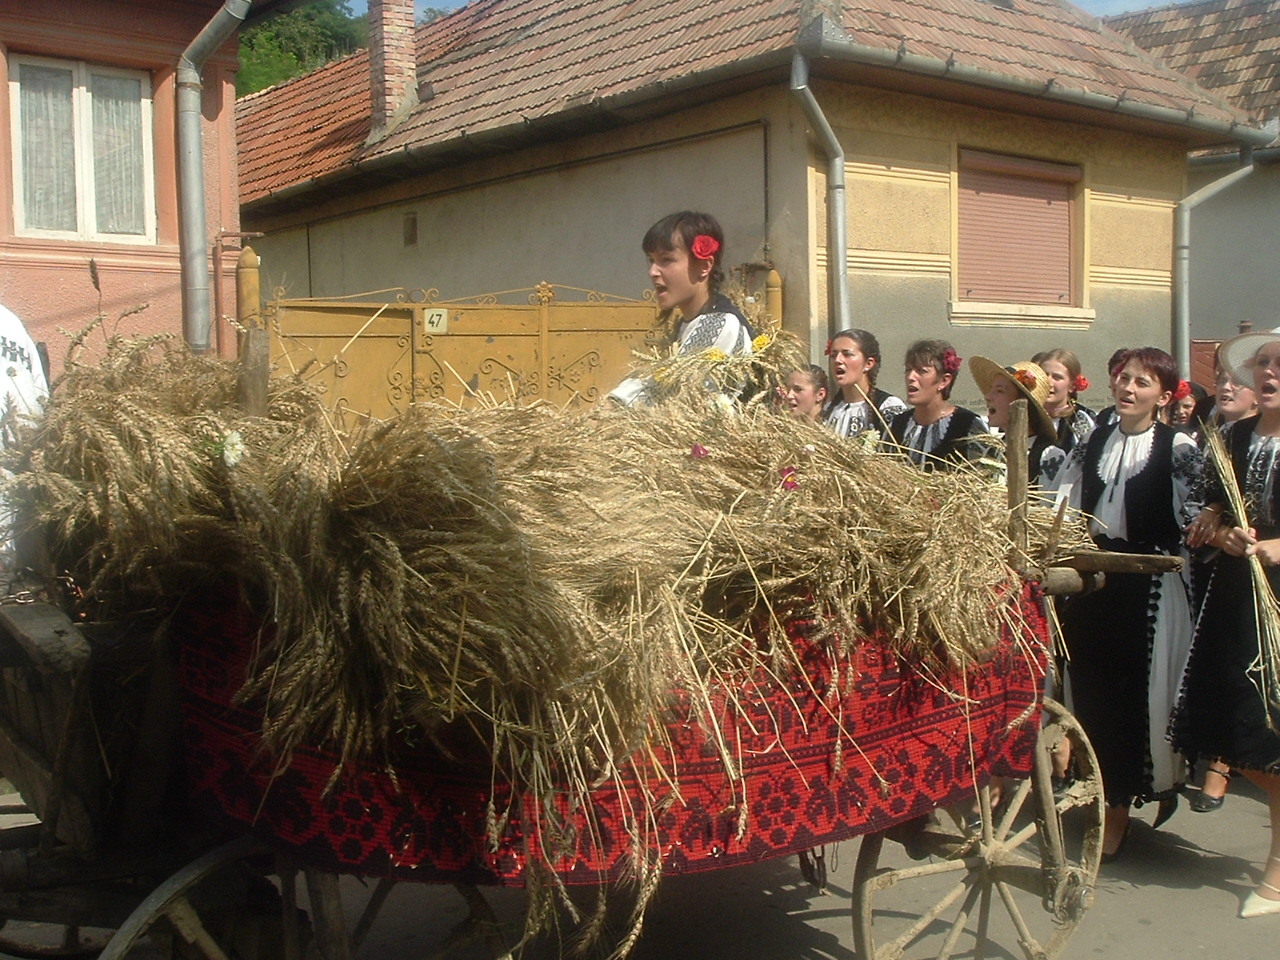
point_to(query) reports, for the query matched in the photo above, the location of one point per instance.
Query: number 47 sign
(435, 321)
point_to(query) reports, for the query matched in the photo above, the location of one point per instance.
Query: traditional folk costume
(1074, 429)
(718, 325)
(1220, 712)
(854, 419)
(1128, 642)
(941, 445)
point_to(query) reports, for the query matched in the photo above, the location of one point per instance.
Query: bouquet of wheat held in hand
(1265, 669)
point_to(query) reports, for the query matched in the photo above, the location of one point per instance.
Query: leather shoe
(1114, 855)
(1168, 806)
(1203, 803)
(1258, 906)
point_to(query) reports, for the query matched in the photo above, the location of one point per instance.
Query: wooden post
(1015, 459)
(255, 341)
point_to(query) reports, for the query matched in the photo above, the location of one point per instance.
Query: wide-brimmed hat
(1029, 379)
(1234, 354)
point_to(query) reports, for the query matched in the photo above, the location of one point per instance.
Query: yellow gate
(376, 358)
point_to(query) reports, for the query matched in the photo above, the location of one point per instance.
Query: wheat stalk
(1265, 669)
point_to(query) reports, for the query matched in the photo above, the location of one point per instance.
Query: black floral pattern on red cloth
(837, 753)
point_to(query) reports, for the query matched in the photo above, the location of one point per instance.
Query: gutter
(192, 242)
(837, 228)
(1182, 263)
(828, 44)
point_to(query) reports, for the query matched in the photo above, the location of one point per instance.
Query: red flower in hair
(1079, 383)
(1183, 391)
(704, 246)
(950, 361)
(827, 352)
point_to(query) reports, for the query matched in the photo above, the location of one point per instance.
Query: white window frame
(82, 121)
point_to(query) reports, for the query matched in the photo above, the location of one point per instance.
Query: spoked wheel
(43, 942)
(1025, 878)
(242, 902)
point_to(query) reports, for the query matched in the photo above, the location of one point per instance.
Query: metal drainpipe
(837, 229)
(194, 254)
(1182, 264)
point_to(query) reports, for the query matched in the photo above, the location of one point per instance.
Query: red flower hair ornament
(950, 361)
(1079, 383)
(704, 247)
(827, 352)
(1025, 377)
(1183, 391)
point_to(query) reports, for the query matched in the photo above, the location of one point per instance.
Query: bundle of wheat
(541, 577)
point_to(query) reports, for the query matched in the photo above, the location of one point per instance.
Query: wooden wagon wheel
(1036, 867)
(200, 913)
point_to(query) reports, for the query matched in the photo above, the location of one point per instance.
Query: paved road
(1174, 894)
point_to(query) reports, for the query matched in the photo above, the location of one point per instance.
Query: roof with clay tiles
(515, 69)
(1231, 47)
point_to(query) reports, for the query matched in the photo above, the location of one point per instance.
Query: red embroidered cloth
(870, 745)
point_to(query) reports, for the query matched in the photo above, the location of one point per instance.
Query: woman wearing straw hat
(1128, 641)
(1230, 703)
(1001, 386)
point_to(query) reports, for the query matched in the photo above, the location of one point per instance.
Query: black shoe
(1203, 803)
(1114, 855)
(1168, 807)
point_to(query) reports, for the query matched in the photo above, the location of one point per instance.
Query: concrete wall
(46, 282)
(901, 167)
(1235, 253)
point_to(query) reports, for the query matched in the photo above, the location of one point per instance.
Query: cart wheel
(1038, 866)
(66, 941)
(221, 905)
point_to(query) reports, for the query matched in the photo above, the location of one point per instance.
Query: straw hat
(1234, 354)
(986, 371)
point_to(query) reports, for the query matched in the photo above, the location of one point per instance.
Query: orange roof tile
(505, 68)
(1232, 47)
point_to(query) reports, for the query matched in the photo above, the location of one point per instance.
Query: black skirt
(1220, 712)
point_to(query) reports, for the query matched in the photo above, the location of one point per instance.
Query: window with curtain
(82, 163)
(1016, 230)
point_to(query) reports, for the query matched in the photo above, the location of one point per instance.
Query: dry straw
(535, 580)
(1265, 669)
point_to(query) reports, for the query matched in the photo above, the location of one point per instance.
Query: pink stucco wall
(47, 282)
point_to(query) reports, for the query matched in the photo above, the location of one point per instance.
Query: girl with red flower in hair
(686, 256)
(934, 433)
(1073, 422)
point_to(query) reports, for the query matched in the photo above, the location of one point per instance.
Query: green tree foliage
(296, 42)
(431, 13)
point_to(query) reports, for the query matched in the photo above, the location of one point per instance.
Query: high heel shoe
(1202, 802)
(1114, 855)
(1168, 807)
(1258, 906)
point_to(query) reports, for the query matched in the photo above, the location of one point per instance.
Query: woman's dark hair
(1156, 362)
(868, 344)
(1068, 360)
(687, 224)
(1115, 362)
(929, 353)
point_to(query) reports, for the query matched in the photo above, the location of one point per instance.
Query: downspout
(837, 229)
(192, 247)
(1182, 264)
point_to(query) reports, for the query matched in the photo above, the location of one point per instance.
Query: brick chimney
(393, 67)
